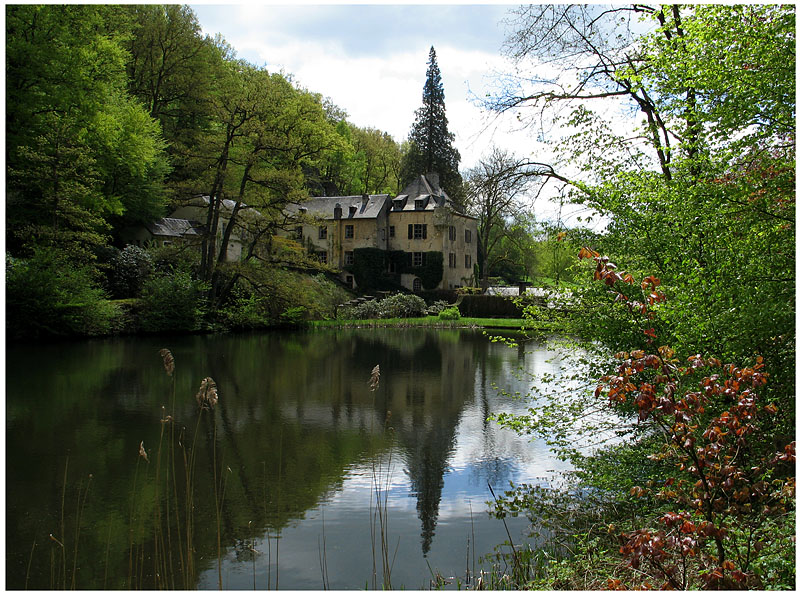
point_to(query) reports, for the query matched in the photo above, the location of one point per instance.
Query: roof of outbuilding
(176, 228)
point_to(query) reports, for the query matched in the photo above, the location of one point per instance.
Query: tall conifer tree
(430, 142)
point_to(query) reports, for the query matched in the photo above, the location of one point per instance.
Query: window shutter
(425, 231)
(410, 231)
(424, 257)
(410, 259)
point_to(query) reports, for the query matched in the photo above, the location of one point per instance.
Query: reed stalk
(323, 557)
(30, 561)
(78, 516)
(108, 548)
(63, 526)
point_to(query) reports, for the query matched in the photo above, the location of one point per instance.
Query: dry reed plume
(143, 452)
(375, 378)
(169, 361)
(207, 396)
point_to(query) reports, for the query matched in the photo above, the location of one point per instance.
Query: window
(348, 231)
(467, 235)
(322, 257)
(391, 231)
(419, 204)
(323, 232)
(348, 258)
(467, 261)
(349, 280)
(452, 233)
(452, 260)
(417, 259)
(299, 232)
(417, 231)
(417, 285)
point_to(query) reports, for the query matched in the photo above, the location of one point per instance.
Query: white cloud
(372, 61)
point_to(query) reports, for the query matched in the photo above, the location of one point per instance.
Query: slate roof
(423, 188)
(368, 207)
(175, 228)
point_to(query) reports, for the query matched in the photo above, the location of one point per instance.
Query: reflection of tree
(428, 448)
(426, 406)
(295, 413)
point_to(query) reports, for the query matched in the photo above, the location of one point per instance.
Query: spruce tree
(430, 142)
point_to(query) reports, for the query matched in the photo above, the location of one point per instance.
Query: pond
(300, 478)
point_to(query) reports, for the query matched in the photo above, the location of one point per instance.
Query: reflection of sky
(483, 454)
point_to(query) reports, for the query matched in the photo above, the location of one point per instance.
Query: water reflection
(297, 438)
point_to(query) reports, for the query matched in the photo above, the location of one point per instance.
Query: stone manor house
(420, 221)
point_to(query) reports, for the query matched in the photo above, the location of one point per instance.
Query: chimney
(337, 211)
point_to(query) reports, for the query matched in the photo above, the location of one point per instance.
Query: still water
(302, 476)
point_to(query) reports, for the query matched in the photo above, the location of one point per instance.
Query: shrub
(128, 270)
(172, 303)
(245, 311)
(296, 316)
(437, 306)
(451, 313)
(47, 295)
(402, 305)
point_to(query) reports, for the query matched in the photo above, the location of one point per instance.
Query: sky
(371, 61)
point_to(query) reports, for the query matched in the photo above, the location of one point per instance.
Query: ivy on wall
(371, 265)
(431, 271)
(370, 270)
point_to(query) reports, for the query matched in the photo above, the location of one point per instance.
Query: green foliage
(451, 313)
(370, 268)
(47, 295)
(431, 272)
(128, 270)
(296, 316)
(430, 142)
(700, 203)
(399, 305)
(264, 300)
(80, 150)
(174, 302)
(402, 305)
(381, 157)
(171, 69)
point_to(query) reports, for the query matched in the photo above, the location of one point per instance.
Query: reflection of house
(419, 221)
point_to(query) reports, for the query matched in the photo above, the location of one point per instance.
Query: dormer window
(397, 204)
(353, 209)
(419, 204)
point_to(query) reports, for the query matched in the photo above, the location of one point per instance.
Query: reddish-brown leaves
(721, 487)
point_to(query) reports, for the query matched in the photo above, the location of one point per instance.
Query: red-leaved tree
(728, 488)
